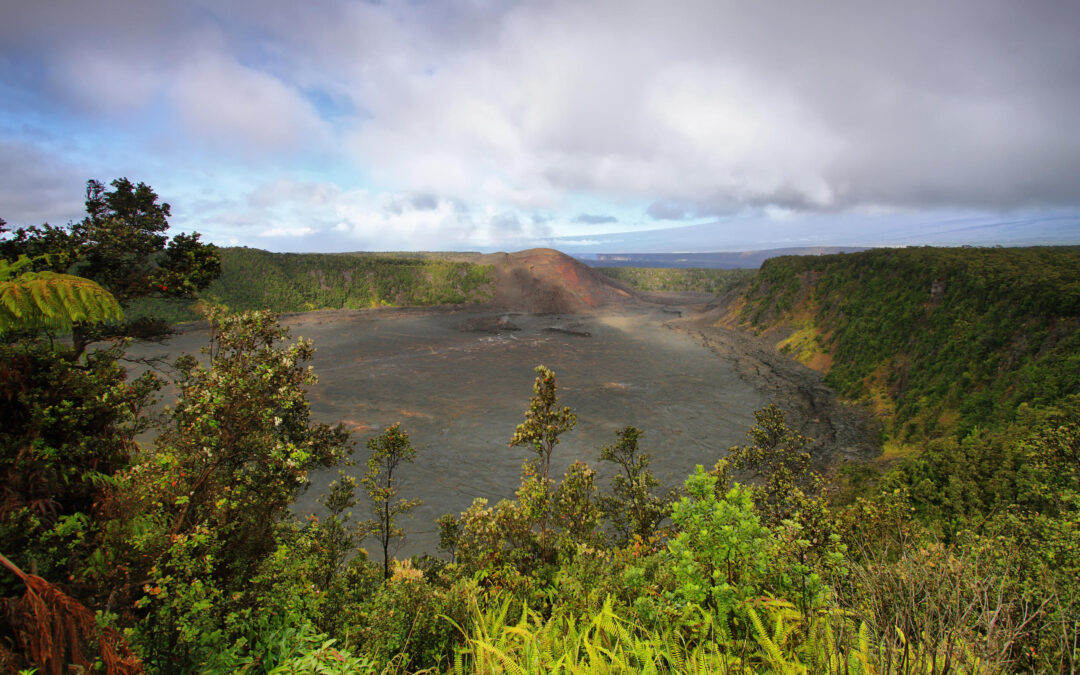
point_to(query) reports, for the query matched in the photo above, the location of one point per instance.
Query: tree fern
(50, 300)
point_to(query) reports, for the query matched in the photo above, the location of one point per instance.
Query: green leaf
(51, 300)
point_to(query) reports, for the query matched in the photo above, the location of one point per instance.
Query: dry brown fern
(52, 629)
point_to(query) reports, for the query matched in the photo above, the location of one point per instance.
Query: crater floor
(459, 393)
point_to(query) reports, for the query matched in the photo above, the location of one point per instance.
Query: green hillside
(679, 279)
(297, 282)
(940, 340)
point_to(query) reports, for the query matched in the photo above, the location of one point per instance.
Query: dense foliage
(716, 281)
(945, 340)
(298, 282)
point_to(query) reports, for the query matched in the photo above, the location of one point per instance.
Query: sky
(606, 126)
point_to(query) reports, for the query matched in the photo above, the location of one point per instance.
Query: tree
(632, 507)
(122, 246)
(250, 409)
(802, 524)
(66, 430)
(721, 552)
(52, 248)
(66, 427)
(196, 518)
(776, 457)
(493, 538)
(576, 509)
(122, 232)
(68, 418)
(544, 422)
(335, 537)
(63, 430)
(449, 534)
(388, 451)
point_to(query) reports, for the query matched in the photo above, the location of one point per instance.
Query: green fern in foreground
(600, 642)
(781, 641)
(33, 300)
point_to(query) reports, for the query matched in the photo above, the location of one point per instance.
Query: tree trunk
(386, 541)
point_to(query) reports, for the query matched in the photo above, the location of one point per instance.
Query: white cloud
(371, 223)
(241, 109)
(288, 232)
(106, 83)
(725, 104)
(582, 242)
(39, 186)
(330, 218)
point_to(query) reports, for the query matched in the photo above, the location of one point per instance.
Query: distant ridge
(716, 259)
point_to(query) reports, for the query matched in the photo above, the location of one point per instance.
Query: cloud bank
(465, 125)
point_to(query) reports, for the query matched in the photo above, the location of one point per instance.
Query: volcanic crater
(459, 378)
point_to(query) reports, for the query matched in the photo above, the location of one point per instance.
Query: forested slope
(296, 282)
(679, 278)
(941, 340)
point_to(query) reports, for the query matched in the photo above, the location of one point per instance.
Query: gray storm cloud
(725, 104)
(595, 219)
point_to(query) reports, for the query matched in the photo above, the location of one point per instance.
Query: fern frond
(674, 651)
(762, 636)
(508, 663)
(51, 300)
(52, 629)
